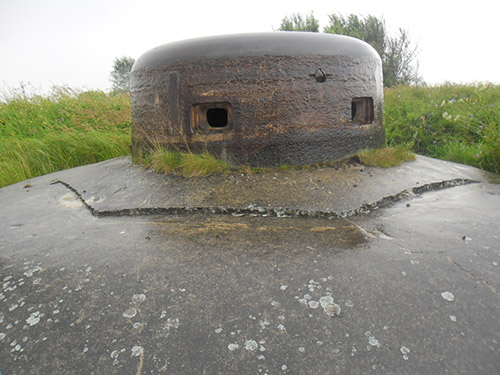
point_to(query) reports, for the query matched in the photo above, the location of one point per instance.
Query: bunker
(261, 99)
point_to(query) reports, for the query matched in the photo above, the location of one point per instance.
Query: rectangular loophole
(362, 110)
(212, 116)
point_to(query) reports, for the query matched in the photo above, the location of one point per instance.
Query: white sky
(74, 42)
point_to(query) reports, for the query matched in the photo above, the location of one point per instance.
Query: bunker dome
(261, 99)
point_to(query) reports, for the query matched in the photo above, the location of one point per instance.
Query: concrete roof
(113, 269)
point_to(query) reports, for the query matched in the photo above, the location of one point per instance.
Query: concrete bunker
(262, 99)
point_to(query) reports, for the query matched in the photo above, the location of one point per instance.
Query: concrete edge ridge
(254, 210)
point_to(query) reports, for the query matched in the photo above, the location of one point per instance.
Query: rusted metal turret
(260, 99)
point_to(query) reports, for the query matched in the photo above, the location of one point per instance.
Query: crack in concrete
(141, 363)
(470, 273)
(254, 210)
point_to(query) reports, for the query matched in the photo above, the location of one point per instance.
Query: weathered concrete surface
(408, 289)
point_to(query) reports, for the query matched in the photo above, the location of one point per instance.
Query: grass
(44, 134)
(460, 123)
(185, 163)
(386, 157)
(188, 164)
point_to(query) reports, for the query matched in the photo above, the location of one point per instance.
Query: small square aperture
(362, 110)
(212, 116)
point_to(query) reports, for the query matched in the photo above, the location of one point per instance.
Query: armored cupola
(261, 99)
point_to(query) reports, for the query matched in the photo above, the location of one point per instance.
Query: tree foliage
(370, 29)
(398, 54)
(297, 23)
(400, 61)
(120, 76)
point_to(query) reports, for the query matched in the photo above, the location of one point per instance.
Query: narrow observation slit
(217, 117)
(362, 110)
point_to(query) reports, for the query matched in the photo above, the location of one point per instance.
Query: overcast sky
(74, 42)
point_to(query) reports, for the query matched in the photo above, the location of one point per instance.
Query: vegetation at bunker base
(184, 164)
(187, 164)
(44, 134)
(386, 157)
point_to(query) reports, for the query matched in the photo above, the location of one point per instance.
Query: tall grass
(44, 134)
(460, 123)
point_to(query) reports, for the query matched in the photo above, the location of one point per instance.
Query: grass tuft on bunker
(185, 164)
(188, 164)
(386, 157)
